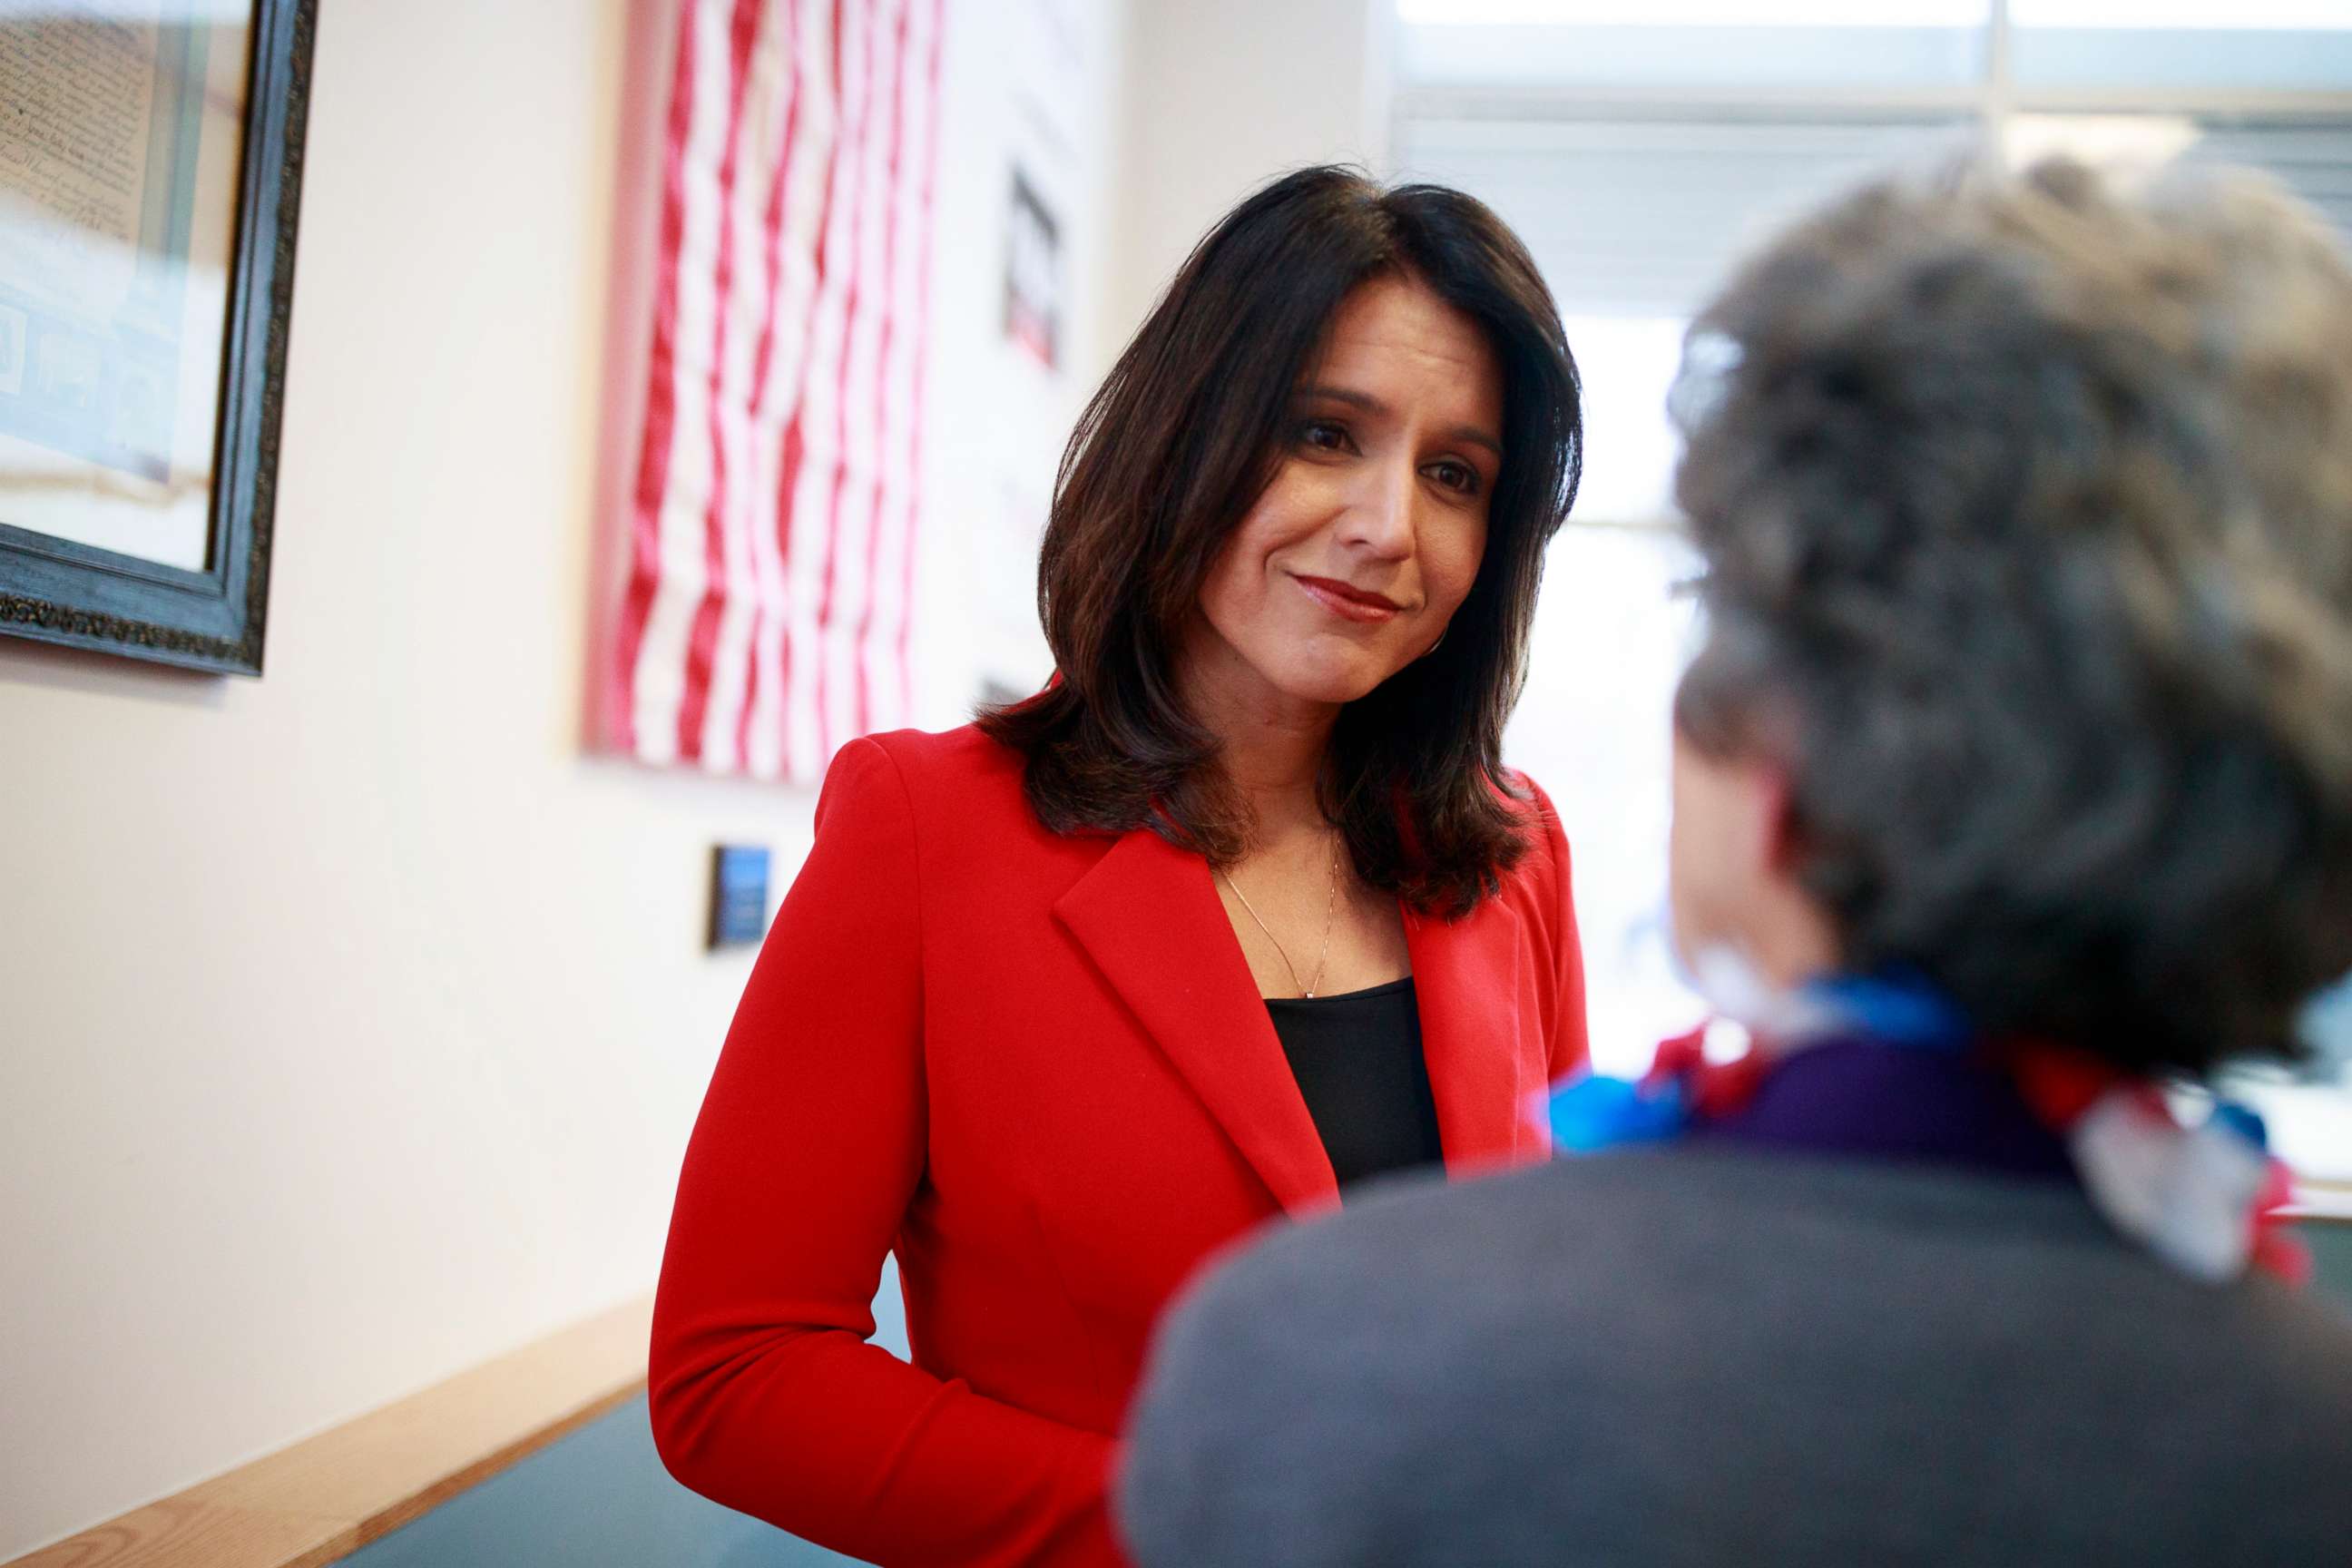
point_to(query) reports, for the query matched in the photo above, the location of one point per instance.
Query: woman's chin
(1334, 682)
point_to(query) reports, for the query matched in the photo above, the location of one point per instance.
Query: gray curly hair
(2026, 514)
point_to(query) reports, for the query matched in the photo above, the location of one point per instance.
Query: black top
(1358, 1060)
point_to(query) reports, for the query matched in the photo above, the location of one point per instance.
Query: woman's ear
(1779, 827)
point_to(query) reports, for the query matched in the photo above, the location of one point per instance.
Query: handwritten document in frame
(150, 162)
(118, 189)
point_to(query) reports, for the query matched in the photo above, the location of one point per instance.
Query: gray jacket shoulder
(1699, 1356)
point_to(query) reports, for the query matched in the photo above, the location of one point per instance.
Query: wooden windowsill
(2328, 1202)
(326, 1497)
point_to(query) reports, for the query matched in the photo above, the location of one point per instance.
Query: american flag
(763, 615)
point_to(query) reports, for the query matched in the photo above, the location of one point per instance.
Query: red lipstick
(1347, 601)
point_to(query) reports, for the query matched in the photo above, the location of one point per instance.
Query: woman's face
(1368, 537)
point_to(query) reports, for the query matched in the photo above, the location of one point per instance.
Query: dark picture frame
(60, 591)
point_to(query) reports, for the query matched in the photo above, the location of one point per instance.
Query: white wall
(1222, 95)
(352, 1021)
(1036, 82)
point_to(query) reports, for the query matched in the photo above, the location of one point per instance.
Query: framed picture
(151, 160)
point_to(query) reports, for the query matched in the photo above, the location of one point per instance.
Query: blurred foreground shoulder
(1708, 1355)
(1296, 1398)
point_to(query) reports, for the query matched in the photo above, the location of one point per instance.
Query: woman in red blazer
(1242, 906)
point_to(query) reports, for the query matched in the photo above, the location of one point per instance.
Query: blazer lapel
(1466, 978)
(1149, 917)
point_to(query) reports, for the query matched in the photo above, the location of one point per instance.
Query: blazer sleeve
(1568, 1050)
(765, 1392)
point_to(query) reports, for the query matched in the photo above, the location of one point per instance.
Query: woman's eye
(1456, 477)
(1323, 434)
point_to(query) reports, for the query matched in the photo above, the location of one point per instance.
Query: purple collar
(1862, 1097)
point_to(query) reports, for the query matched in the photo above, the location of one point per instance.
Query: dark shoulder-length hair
(1176, 446)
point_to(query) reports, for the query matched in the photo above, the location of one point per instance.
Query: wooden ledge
(326, 1497)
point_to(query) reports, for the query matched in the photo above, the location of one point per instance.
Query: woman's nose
(1379, 515)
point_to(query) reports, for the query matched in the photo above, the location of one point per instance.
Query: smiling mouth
(1347, 602)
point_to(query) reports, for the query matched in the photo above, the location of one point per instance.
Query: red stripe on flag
(741, 28)
(661, 405)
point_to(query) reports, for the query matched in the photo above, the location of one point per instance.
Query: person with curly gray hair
(2012, 788)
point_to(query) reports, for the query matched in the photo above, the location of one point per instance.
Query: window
(1639, 146)
(2141, 48)
(1617, 47)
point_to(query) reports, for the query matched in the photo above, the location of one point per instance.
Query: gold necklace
(1330, 903)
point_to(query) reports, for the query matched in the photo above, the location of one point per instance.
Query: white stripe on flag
(913, 476)
(885, 681)
(758, 146)
(819, 411)
(778, 399)
(851, 502)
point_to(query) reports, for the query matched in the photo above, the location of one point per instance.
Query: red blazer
(1037, 1068)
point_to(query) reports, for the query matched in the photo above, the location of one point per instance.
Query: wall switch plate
(739, 895)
